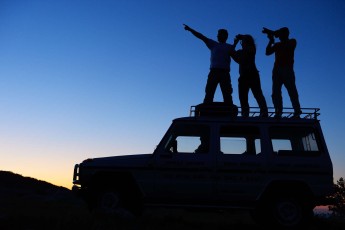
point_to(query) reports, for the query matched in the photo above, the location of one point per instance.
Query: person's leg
(211, 86)
(226, 87)
(277, 93)
(243, 90)
(290, 85)
(258, 95)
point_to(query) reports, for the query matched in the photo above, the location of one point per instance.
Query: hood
(118, 161)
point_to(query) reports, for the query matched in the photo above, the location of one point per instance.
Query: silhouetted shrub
(338, 207)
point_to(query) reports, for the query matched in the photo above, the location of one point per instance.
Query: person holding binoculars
(249, 78)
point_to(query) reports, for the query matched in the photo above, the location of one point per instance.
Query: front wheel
(112, 203)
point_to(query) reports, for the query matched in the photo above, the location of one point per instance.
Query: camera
(270, 32)
(240, 36)
(281, 33)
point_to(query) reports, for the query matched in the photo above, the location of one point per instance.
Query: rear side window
(294, 141)
(240, 140)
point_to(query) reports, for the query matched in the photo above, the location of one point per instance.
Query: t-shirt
(284, 53)
(246, 61)
(220, 54)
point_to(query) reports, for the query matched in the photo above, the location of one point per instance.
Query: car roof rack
(214, 110)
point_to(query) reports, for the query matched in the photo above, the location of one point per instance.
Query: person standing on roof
(219, 67)
(283, 70)
(249, 75)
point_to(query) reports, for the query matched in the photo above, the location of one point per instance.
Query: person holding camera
(283, 70)
(249, 78)
(219, 67)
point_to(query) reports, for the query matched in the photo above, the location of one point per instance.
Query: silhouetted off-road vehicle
(279, 169)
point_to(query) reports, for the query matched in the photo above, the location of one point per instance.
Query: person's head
(247, 41)
(204, 138)
(283, 33)
(222, 35)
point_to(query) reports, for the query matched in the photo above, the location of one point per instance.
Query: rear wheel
(284, 211)
(287, 212)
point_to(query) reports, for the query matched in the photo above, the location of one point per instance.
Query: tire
(112, 203)
(287, 212)
(283, 212)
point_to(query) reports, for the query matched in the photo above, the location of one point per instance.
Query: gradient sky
(88, 78)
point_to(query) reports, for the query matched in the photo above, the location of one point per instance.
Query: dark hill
(12, 184)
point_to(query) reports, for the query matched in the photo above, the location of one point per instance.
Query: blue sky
(84, 78)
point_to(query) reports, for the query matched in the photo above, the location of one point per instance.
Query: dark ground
(34, 205)
(69, 213)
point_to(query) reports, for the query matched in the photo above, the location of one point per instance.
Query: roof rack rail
(307, 113)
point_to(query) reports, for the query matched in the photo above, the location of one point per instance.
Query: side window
(294, 141)
(281, 144)
(240, 140)
(189, 139)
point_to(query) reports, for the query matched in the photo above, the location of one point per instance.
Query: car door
(185, 165)
(240, 164)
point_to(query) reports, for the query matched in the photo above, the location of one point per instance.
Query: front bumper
(76, 174)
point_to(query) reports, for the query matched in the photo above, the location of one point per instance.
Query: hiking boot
(263, 114)
(297, 114)
(278, 115)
